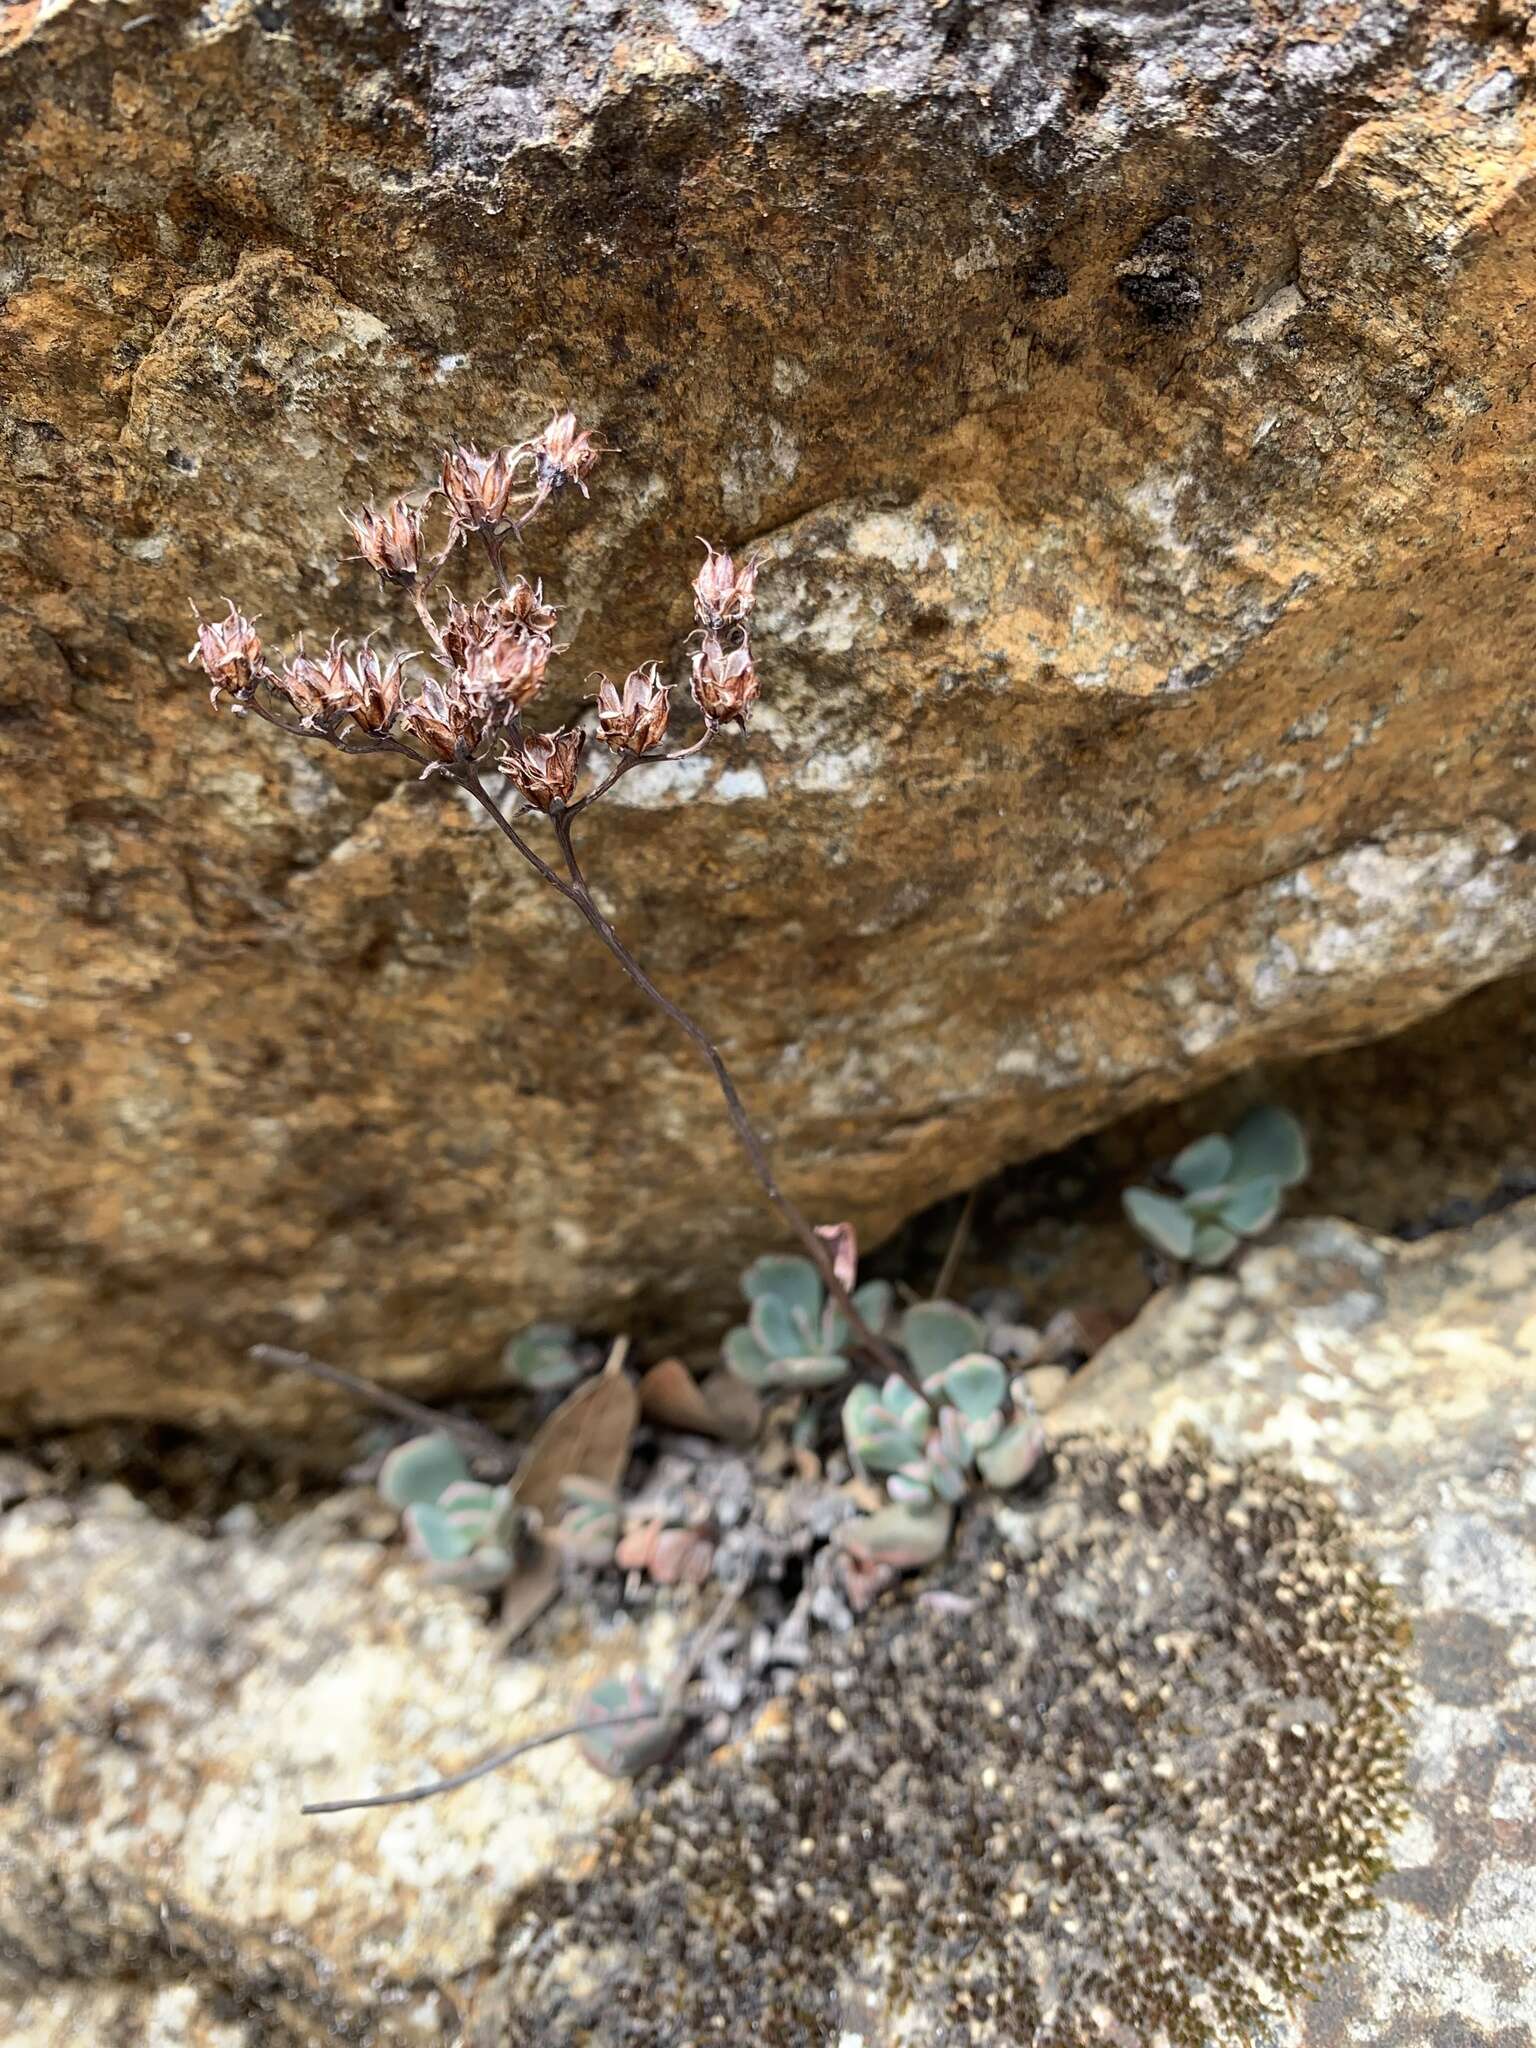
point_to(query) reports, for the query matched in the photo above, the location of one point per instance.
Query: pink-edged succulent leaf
(901, 1535)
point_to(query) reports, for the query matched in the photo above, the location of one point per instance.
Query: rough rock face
(169, 1700)
(1404, 1380)
(1135, 404)
(169, 1704)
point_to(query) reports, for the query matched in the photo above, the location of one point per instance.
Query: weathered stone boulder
(1403, 1379)
(1135, 407)
(169, 1704)
(168, 1700)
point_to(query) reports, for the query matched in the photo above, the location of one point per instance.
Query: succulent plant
(623, 1750)
(545, 1356)
(1227, 1188)
(968, 1420)
(591, 1522)
(463, 1531)
(795, 1336)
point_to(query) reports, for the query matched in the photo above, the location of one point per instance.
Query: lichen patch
(1131, 1787)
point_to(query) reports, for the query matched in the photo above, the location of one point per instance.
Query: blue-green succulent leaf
(1213, 1244)
(886, 1450)
(542, 1356)
(946, 1481)
(486, 1567)
(435, 1535)
(1269, 1143)
(874, 1302)
(793, 1281)
(859, 1408)
(1166, 1222)
(812, 1371)
(1202, 1165)
(1250, 1207)
(623, 1751)
(902, 1534)
(905, 1406)
(1014, 1456)
(421, 1470)
(745, 1357)
(907, 1486)
(467, 1496)
(773, 1325)
(975, 1384)
(935, 1333)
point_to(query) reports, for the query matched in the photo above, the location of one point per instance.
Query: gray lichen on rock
(1131, 1786)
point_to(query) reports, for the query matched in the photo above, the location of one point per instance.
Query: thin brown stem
(494, 1762)
(493, 556)
(468, 777)
(957, 1244)
(424, 613)
(757, 1153)
(627, 762)
(485, 1443)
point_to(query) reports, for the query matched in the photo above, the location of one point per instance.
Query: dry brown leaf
(670, 1395)
(737, 1409)
(723, 1406)
(528, 1592)
(587, 1437)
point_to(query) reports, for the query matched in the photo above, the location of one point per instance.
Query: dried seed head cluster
(458, 706)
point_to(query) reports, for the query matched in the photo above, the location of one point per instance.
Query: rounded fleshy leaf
(622, 1751)
(887, 1450)
(935, 1333)
(1014, 1456)
(949, 1440)
(874, 1302)
(1204, 1164)
(905, 1406)
(901, 1535)
(434, 1535)
(794, 1282)
(746, 1358)
(812, 1371)
(467, 1496)
(1213, 1244)
(482, 1571)
(986, 1429)
(1269, 1143)
(542, 1357)
(976, 1385)
(774, 1326)
(860, 1407)
(1168, 1224)
(1250, 1207)
(947, 1480)
(906, 1486)
(421, 1470)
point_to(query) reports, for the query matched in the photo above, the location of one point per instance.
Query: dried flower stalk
(486, 664)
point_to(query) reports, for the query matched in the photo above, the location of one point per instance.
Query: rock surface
(1135, 405)
(1403, 1379)
(168, 1700)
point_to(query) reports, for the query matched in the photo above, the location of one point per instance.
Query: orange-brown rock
(1136, 406)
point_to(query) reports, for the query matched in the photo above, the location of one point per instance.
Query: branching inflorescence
(458, 710)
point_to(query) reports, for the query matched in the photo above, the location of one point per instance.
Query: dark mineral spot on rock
(1142, 1776)
(1159, 278)
(1045, 281)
